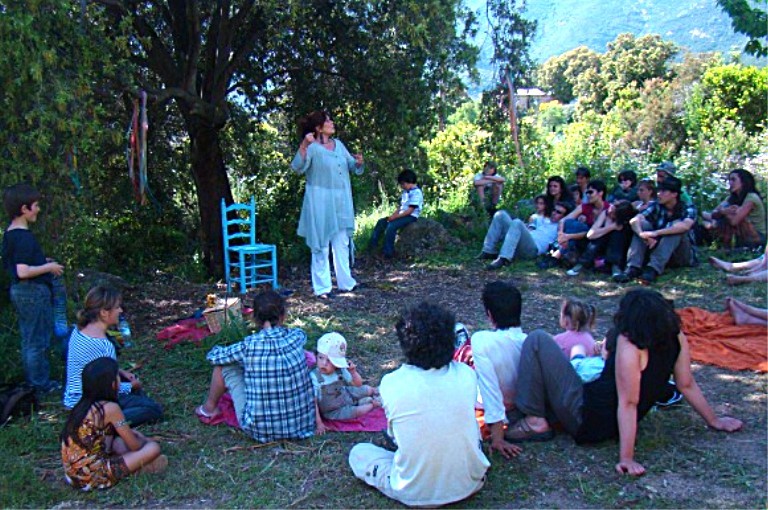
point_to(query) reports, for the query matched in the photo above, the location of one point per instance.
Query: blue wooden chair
(247, 262)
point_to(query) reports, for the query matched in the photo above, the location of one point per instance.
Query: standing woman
(327, 215)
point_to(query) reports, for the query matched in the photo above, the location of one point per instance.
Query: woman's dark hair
(563, 188)
(309, 123)
(407, 176)
(583, 171)
(649, 184)
(504, 302)
(647, 319)
(610, 339)
(567, 205)
(268, 306)
(99, 385)
(627, 175)
(426, 334)
(18, 195)
(747, 186)
(574, 188)
(623, 211)
(547, 205)
(98, 298)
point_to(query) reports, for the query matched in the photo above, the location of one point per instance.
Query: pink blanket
(373, 421)
(186, 330)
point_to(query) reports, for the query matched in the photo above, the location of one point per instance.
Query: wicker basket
(220, 314)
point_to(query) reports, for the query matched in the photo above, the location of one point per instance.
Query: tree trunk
(212, 185)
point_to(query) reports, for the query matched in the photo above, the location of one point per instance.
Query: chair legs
(253, 268)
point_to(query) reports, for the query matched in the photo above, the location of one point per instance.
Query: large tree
(378, 61)
(751, 19)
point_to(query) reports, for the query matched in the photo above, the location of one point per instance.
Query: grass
(688, 465)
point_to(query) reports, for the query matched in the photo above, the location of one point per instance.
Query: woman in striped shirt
(103, 306)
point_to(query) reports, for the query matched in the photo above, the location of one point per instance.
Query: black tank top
(601, 400)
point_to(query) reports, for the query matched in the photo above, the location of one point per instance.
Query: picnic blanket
(715, 339)
(186, 330)
(373, 421)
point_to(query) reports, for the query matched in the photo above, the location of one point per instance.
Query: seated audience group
(637, 231)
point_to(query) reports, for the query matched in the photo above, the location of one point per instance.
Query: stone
(422, 238)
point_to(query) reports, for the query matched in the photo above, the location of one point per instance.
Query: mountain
(694, 25)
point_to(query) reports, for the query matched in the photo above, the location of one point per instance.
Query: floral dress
(91, 467)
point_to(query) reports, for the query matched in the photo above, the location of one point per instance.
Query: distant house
(531, 98)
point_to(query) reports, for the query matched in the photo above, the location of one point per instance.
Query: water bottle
(59, 302)
(462, 335)
(125, 330)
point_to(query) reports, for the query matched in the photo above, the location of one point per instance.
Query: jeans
(548, 385)
(673, 251)
(35, 311)
(613, 245)
(389, 229)
(572, 226)
(517, 239)
(139, 408)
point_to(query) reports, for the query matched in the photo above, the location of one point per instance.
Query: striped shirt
(278, 394)
(82, 350)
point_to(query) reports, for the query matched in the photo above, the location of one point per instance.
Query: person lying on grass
(755, 270)
(98, 447)
(266, 375)
(650, 347)
(338, 387)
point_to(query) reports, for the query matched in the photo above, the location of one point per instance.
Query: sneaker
(484, 255)
(675, 398)
(497, 264)
(630, 274)
(649, 275)
(547, 262)
(615, 271)
(575, 270)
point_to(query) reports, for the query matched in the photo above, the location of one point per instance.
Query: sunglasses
(590, 192)
(560, 211)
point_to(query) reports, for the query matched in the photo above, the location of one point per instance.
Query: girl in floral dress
(98, 447)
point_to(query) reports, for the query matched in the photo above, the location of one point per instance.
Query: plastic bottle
(60, 324)
(125, 330)
(462, 335)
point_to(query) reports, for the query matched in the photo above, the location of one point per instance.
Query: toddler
(589, 366)
(578, 318)
(339, 390)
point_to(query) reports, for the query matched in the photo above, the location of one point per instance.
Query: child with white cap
(339, 390)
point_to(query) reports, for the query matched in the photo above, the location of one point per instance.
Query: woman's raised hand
(309, 138)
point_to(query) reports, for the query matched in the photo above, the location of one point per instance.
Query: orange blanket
(716, 340)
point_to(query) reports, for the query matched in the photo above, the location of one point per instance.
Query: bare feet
(156, 466)
(737, 280)
(744, 314)
(720, 264)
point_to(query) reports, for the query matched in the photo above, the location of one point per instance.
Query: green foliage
(733, 92)
(751, 20)
(454, 156)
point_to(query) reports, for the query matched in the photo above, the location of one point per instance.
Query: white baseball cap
(334, 346)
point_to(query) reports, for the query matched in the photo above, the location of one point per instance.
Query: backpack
(16, 400)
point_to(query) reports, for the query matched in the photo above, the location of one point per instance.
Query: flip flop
(521, 432)
(209, 418)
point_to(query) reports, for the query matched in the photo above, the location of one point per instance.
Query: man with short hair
(661, 235)
(582, 181)
(496, 354)
(668, 169)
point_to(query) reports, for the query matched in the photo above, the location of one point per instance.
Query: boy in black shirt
(32, 277)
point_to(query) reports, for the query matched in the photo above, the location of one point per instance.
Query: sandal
(521, 432)
(209, 418)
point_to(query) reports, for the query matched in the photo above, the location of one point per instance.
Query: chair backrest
(238, 223)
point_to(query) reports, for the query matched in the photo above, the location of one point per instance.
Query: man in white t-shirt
(429, 402)
(496, 354)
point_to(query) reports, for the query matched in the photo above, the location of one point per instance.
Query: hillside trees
(750, 20)
(376, 65)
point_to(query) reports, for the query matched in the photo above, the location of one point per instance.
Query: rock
(421, 238)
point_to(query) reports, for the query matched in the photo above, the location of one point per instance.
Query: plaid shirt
(279, 403)
(658, 216)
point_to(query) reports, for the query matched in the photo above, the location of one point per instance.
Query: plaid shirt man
(658, 216)
(279, 402)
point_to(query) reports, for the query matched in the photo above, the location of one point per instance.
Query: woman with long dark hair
(650, 347)
(742, 215)
(327, 215)
(557, 191)
(98, 447)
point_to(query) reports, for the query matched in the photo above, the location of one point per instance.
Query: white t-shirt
(439, 458)
(497, 356)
